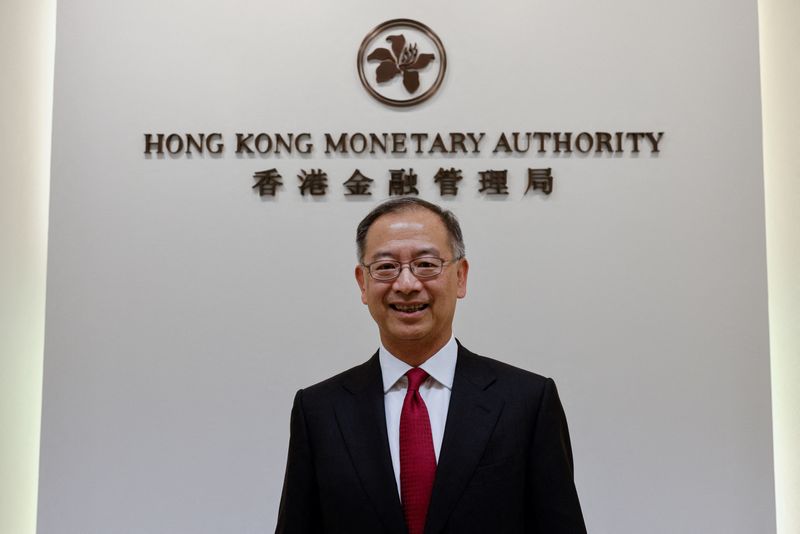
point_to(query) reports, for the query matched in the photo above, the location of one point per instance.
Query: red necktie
(417, 459)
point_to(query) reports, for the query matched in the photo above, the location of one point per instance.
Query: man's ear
(362, 283)
(463, 271)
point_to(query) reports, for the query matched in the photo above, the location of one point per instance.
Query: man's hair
(400, 204)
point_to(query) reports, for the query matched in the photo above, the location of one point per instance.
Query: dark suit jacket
(505, 465)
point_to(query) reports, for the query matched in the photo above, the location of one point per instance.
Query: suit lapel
(362, 422)
(471, 418)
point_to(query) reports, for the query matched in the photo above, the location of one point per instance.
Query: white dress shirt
(435, 391)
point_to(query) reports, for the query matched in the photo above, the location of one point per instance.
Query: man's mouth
(408, 308)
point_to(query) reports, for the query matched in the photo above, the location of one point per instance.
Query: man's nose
(406, 281)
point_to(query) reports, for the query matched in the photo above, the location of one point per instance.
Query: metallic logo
(401, 62)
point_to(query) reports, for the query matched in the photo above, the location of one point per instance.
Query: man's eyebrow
(427, 251)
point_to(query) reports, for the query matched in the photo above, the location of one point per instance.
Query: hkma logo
(401, 62)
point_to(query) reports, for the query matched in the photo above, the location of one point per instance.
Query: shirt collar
(441, 366)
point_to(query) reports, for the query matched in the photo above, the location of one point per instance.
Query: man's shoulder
(502, 372)
(353, 380)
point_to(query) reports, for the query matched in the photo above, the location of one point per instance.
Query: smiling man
(426, 437)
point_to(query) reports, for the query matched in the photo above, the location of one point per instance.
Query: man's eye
(385, 266)
(424, 264)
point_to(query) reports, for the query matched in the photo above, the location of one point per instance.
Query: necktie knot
(416, 377)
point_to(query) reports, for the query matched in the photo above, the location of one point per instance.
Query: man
(425, 437)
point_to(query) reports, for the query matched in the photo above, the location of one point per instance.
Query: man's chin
(408, 336)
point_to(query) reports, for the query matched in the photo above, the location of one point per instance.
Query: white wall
(27, 31)
(27, 44)
(780, 86)
(183, 311)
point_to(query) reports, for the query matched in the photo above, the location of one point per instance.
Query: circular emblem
(401, 62)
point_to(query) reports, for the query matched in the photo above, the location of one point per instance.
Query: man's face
(414, 316)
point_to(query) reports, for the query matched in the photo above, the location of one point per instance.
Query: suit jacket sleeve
(299, 511)
(554, 504)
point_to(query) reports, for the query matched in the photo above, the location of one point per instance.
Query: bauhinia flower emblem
(402, 58)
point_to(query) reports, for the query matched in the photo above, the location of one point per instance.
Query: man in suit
(426, 437)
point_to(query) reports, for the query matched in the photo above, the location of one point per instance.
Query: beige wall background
(779, 24)
(26, 59)
(27, 47)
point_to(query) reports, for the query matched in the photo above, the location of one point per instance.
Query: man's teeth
(409, 309)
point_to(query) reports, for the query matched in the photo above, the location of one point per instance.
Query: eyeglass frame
(402, 265)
